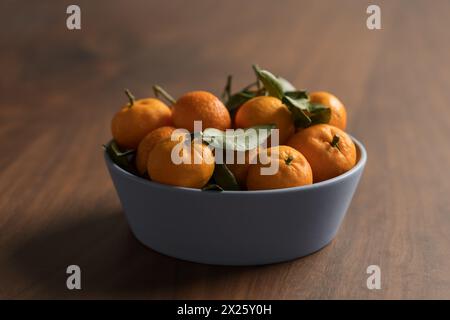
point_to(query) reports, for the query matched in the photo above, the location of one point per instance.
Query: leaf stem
(249, 86)
(259, 84)
(130, 97)
(227, 90)
(157, 90)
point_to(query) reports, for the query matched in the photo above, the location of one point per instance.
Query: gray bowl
(236, 227)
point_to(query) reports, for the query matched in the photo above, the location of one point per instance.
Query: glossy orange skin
(338, 112)
(147, 144)
(326, 161)
(132, 123)
(200, 105)
(162, 169)
(266, 110)
(294, 171)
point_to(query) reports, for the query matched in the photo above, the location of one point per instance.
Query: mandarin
(136, 119)
(147, 144)
(181, 163)
(293, 170)
(266, 110)
(338, 113)
(200, 106)
(328, 149)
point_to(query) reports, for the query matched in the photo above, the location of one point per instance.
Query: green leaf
(319, 113)
(297, 94)
(299, 110)
(224, 178)
(239, 139)
(238, 99)
(304, 112)
(121, 158)
(212, 187)
(286, 85)
(272, 84)
(117, 151)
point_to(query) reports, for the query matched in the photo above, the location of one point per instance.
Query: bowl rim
(358, 166)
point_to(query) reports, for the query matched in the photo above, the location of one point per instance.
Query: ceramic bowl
(236, 227)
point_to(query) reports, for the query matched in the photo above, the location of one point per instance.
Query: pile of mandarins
(312, 147)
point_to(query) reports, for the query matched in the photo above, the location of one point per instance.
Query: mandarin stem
(335, 142)
(157, 90)
(130, 97)
(289, 160)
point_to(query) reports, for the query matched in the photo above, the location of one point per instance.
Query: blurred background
(60, 88)
(49, 70)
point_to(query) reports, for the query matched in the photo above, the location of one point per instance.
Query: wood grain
(59, 89)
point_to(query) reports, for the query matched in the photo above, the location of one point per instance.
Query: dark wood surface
(59, 89)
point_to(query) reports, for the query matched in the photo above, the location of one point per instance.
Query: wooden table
(59, 89)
